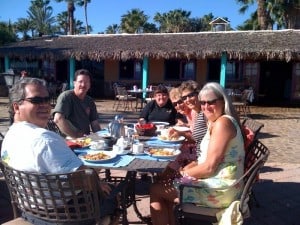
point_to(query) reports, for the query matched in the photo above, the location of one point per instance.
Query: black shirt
(152, 112)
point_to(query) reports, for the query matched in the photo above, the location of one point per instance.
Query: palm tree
(112, 29)
(134, 21)
(40, 13)
(250, 24)
(62, 21)
(84, 3)
(263, 17)
(7, 33)
(23, 25)
(174, 21)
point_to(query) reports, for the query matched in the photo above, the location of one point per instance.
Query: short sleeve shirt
(31, 148)
(152, 112)
(80, 113)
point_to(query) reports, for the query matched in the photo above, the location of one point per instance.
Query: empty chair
(189, 213)
(58, 198)
(124, 99)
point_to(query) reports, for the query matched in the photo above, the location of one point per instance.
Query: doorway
(275, 81)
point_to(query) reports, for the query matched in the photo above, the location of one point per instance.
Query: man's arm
(64, 126)
(95, 126)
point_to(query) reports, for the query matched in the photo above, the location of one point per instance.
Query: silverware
(115, 163)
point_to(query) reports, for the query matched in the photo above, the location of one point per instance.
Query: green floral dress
(218, 191)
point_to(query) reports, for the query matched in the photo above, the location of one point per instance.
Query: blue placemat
(119, 161)
(154, 141)
(81, 150)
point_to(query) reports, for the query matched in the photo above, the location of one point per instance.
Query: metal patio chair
(189, 213)
(51, 125)
(253, 125)
(59, 198)
(123, 98)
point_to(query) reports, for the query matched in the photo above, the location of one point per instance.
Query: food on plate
(161, 152)
(97, 156)
(166, 136)
(146, 126)
(147, 129)
(83, 141)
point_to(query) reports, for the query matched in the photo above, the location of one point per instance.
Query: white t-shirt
(31, 148)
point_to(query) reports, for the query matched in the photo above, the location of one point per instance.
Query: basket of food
(147, 129)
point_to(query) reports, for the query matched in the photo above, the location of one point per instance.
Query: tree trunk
(293, 17)
(86, 20)
(71, 9)
(262, 15)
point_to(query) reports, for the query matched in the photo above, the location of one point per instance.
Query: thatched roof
(267, 45)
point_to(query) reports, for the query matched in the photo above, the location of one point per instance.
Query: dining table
(140, 94)
(131, 163)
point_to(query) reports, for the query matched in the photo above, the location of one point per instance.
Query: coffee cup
(117, 149)
(97, 144)
(137, 148)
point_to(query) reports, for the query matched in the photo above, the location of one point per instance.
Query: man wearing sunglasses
(75, 112)
(28, 146)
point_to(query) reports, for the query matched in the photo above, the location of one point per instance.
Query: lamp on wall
(10, 79)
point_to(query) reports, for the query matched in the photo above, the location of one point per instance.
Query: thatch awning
(267, 45)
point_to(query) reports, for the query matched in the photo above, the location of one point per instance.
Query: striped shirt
(200, 128)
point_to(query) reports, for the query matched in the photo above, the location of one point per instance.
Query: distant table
(140, 94)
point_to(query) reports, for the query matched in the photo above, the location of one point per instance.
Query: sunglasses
(37, 100)
(190, 95)
(211, 102)
(177, 102)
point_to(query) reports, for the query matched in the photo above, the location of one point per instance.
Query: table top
(130, 162)
(140, 91)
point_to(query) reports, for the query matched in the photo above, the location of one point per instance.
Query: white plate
(175, 152)
(110, 154)
(161, 123)
(99, 149)
(137, 153)
(124, 152)
(180, 139)
(181, 128)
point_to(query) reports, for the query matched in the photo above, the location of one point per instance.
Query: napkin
(118, 161)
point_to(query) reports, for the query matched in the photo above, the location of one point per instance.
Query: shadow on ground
(275, 198)
(273, 116)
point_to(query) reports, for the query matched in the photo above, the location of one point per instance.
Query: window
(232, 71)
(251, 69)
(131, 69)
(178, 69)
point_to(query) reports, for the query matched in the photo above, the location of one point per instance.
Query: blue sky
(102, 13)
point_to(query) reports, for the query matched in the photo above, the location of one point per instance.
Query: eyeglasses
(37, 100)
(177, 102)
(190, 95)
(211, 102)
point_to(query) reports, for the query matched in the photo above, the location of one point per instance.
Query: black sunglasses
(177, 102)
(211, 102)
(37, 100)
(190, 95)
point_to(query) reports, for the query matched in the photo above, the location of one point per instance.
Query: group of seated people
(212, 153)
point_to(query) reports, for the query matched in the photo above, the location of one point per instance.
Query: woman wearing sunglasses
(189, 98)
(220, 164)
